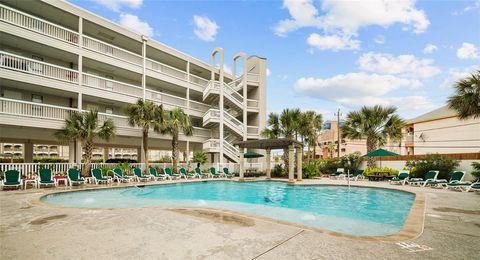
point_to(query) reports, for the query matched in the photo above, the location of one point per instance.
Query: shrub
(199, 157)
(120, 161)
(444, 164)
(311, 169)
(329, 166)
(476, 169)
(163, 159)
(385, 170)
(277, 171)
(350, 162)
(49, 160)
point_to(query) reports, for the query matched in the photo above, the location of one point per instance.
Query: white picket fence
(30, 169)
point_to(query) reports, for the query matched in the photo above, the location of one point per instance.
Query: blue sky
(324, 55)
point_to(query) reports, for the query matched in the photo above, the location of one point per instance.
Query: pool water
(356, 211)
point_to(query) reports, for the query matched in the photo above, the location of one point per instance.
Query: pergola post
(242, 164)
(299, 163)
(291, 163)
(268, 159)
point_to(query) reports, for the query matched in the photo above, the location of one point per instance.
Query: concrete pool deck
(30, 229)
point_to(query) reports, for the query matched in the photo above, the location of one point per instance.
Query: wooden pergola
(272, 144)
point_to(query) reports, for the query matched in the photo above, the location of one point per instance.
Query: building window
(37, 99)
(109, 110)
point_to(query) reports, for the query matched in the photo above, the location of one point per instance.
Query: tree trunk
(314, 152)
(145, 148)
(371, 146)
(87, 157)
(174, 152)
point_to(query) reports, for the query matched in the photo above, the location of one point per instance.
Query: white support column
(187, 151)
(28, 152)
(268, 160)
(299, 163)
(220, 102)
(71, 152)
(144, 56)
(78, 152)
(291, 164)
(242, 164)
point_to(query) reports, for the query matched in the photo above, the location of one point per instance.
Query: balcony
(39, 68)
(252, 105)
(27, 110)
(111, 50)
(111, 85)
(252, 132)
(29, 22)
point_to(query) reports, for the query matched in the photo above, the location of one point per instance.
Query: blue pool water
(355, 211)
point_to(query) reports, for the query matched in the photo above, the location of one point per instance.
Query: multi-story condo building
(9, 151)
(57, 58)
(441, 131)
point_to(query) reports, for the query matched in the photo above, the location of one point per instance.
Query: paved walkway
(32, 230)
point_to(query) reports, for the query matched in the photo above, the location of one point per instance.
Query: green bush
(476, 169)
(49, 160)
(329, 166)
(385, 171)
(277, 171)
(311, 169)
(163, 159)
(199, 157)
(350, 162)
(433, 162)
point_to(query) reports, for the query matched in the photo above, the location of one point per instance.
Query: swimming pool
(358, 211)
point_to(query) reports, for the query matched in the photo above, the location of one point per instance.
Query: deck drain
(413, 247)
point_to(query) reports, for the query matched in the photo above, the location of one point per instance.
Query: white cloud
(205, 29)
(132, 22)
(468, 8)
(343, 19)
(116, 5)
(403, 65)
(332, 42)
(351, 85)
(468, 51)
(380, 39)
(430, 48)
(268, 72)
(455, 74)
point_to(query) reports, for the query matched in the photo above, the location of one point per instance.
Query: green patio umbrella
(379, 153)
(251, 154)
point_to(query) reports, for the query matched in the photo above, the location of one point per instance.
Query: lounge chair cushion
(11, 183)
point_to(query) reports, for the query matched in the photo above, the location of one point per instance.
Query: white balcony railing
(166, 69)
(231, 151)
(199, 81)
(111, 50)
(31, 66)
(202, 132)
(252, 131)
(253, 77)
(168, 100)
(31, 109)
(252, 103)
(213, 116)
(111, 85)
(198, 106)
(38, 25)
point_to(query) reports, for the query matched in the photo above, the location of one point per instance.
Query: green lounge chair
(139, 176)
(339, 174)
(200, 174)
(46, 178)
(442, 183)
(98, 176)
(430, 176)
(459, 185)
(119, 176)
(213, 172)
(73, 176)
(185, 174)
(401, 178)
(12, 179)
(227, 173)
(168, 171)
(474, 187)
(155, 176)
(356, 175)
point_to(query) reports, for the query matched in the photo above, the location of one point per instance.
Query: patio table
(59, 179)
(30, 181)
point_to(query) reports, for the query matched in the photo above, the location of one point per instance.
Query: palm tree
(377, 124)
(146, 115)
(85, 127)
(466, 100)
(176, 121)
(273, 131)
(316, 127)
